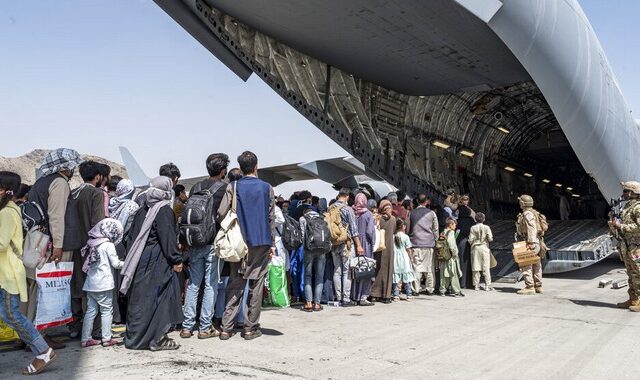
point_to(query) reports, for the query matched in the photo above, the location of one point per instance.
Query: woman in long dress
(150, 272)
(367, 233)
(123, 208)
(382, 287)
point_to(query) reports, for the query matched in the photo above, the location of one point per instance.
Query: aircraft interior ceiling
(492, 135)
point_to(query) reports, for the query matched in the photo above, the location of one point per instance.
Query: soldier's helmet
(632, 186)
(525, 200)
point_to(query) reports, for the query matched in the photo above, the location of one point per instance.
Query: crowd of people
(148, 259)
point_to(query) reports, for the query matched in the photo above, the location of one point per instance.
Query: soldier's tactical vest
(541, 224)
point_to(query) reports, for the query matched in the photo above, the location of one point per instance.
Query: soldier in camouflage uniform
(528, 229)
(628, 229)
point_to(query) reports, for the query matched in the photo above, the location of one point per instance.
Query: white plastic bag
(54, 295)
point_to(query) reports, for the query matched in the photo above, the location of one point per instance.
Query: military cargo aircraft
(493, 98)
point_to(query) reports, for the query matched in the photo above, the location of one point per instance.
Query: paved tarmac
(571, 331)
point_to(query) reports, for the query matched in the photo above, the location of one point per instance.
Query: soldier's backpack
(339, 232)
(443, 251)
(197, 220)
(291, 235)
(541, 224)
(317, 234)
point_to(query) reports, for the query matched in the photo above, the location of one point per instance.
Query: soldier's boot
(539, 290)
(526, 291)
(628, 303)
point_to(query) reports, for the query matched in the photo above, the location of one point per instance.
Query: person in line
(383, 283)
(403, 271)
(398, 210)
(169, 170)
(99, 256)
(180, 199)
(367, 232)
(479, 239)
(256, 216)
(204, 265)
(105, 173)
(233, 175)
(465, 221)
(13, 279)
(450, 272)
(51, 192)
(627, 228)
(82, 214)
(314, 263)
(423, 230)
(122, 208)
(22, 195)
(297, 266)
(343, 252)
(149, 276)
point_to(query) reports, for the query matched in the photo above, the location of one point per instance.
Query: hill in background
(26, 166)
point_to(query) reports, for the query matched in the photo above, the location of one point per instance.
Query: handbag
(36, 249)
(492, 261)
(380, 244)
(362, 268)
(229, 243)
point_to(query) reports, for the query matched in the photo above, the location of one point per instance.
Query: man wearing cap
(527, 228)
(628, 229)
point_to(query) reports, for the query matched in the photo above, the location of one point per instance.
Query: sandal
(307, 307)
(225, 335)
(250, 335)
(165, 344)
(213, 333)
(90, 343)
(40, 362)
(111, 342)
(318, 307)
(185, 334)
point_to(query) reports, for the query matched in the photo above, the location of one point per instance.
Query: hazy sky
(96, 74)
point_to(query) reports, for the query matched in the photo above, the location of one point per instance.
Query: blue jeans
(406, 287)
(314, 262)
(203, 266)
(11, 315)
(296, 266)
(104, 301)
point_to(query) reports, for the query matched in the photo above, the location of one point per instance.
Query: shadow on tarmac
(594, 303)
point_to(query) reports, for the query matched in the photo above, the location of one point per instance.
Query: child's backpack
(443, 251)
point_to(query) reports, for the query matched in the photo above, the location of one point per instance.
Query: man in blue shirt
(256, 214)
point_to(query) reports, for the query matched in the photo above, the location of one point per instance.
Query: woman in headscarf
(384, 259)
(367, 233)
(122, 208)
(149, 276)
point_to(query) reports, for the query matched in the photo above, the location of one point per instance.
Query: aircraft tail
(135, 172)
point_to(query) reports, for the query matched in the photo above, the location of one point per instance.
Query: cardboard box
(523, 256)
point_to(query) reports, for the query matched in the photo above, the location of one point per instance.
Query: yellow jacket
(12, 275)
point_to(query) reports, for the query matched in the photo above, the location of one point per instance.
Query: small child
(450, 271)
(479, 239)
(100, 255)
(403, 270)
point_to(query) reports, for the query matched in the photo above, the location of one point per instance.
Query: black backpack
(74, 238)
(317, 233)
(291, 235)
(197, 220)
